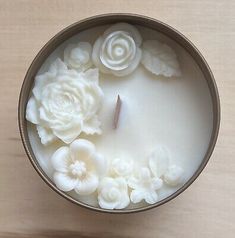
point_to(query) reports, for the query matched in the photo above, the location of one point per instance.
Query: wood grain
(28, 207)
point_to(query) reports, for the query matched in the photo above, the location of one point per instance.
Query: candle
(120, 116)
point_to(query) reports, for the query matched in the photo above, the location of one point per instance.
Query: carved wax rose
(118, 51)
(113, 193)
(65, 103)
(121, 167)
(78, 56)
(174, 175)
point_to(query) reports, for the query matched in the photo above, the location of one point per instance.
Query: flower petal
(133, 183)
(40, 82)
(64, 182)
(44, 115)
(92, 75)
(32, 113)
(60, 159)
(100, 163)
(121, 183)
(145, 174)
(87, 185)
(125, 201)
(151, 197)
(159, 161)
(156, 183)
(45, 135)
(106, 204)
(174, 175)
(57, 65)
(132, 66)
(92, 126)
(106, 182)
(47, 77)
(122, 26)
(82, 148)
(137, 196)
(70, 134)
(96, 55)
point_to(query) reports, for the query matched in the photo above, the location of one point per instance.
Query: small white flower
(121, 167)
(117, 51)
(174, 175)
(78, 56)
(159, 161)
(113, 193)
(78, 167)
(144, 187)
(65, 103)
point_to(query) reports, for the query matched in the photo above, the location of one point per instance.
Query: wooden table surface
(29, 208)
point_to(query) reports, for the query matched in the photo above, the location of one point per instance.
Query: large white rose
(113, 193)
(117, 51)
(78, 167)
(65, 103)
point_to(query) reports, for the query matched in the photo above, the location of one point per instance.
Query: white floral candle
(123, 153)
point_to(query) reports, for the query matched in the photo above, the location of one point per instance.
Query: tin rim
(98, 20)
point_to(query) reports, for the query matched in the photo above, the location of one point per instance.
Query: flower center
(78, 168)
(113, 194)
(118, 50)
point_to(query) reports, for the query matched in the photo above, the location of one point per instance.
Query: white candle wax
(174, 112)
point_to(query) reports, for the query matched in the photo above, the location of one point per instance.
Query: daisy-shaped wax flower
(78, 167)
(144, 187)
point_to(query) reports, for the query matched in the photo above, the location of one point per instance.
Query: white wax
(174, 112)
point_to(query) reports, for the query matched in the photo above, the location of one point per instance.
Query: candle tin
(110, 19)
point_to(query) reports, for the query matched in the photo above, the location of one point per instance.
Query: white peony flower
(144, 187)
(113, 193)
(160, 59)
(174, 175)
(78, 167)
(159, 161)
(121, 167)
(117, 51)
(78, 56)
(65, 103)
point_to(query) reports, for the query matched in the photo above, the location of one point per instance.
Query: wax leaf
(160, 59)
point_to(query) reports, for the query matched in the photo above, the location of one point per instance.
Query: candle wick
(117, 112)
